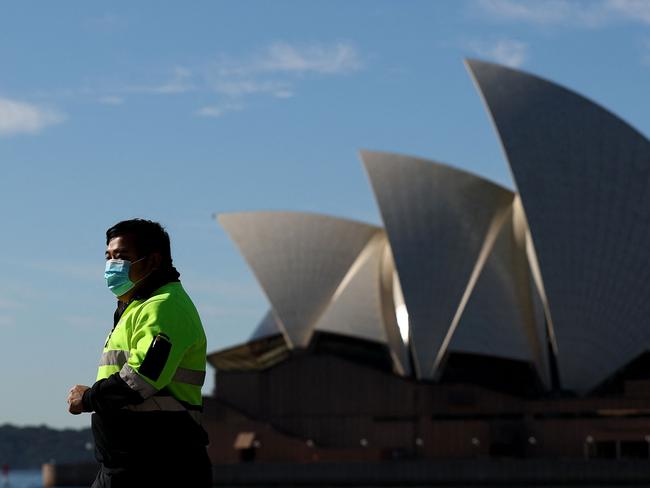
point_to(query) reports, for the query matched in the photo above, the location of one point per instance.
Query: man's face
(123, 247)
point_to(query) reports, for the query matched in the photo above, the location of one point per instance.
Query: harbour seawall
(400, 473)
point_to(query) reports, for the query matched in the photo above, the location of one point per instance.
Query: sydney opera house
(478, 322)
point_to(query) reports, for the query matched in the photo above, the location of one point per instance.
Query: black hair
(149, 237)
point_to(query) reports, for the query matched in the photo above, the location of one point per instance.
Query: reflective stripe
(163, 403)
(119, 358)
(114, 358)
(137, 382)
(166, 403)
(189, 376)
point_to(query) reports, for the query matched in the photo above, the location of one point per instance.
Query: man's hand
(75, 407)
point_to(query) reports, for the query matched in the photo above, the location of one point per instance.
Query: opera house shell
(538, 294)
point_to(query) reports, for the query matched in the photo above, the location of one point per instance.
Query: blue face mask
(117, 276)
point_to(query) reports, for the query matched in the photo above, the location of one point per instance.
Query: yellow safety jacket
(159, 345)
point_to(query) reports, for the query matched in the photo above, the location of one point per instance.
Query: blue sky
(174, 111)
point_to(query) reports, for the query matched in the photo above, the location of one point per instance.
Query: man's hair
(148, 236)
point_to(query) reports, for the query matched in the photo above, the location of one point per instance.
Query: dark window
(634, 449)
(605, 450)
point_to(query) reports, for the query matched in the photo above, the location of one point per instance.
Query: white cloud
(210, 111)
(237, 88)
(564, 12)
(180, 82)
(283, 94)
(111, 100)
(539, 12)
(25, 118)
(275, 71)
(637, 10)
(509, 52)
(215, 111)
(282, 57)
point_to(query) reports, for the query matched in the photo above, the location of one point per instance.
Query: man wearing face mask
(147, 397)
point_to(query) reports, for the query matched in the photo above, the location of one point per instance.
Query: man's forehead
(121, 243)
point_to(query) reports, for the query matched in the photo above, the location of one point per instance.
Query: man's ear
(155, 260)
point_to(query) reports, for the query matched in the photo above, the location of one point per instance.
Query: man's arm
(109, 394)
(106, 394)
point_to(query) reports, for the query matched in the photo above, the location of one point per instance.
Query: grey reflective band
(165, 404)
(137, 382)
(114, 358)
(189, 376)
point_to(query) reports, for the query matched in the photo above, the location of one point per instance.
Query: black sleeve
(110, 393)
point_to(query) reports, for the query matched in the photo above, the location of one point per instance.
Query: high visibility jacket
(159, 344)
(147, 397)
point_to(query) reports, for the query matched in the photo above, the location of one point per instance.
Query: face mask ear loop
(145, 276)
(138, 260)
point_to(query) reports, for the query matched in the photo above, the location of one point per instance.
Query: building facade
(478, 322)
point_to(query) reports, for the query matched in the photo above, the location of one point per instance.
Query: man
(147, 397)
